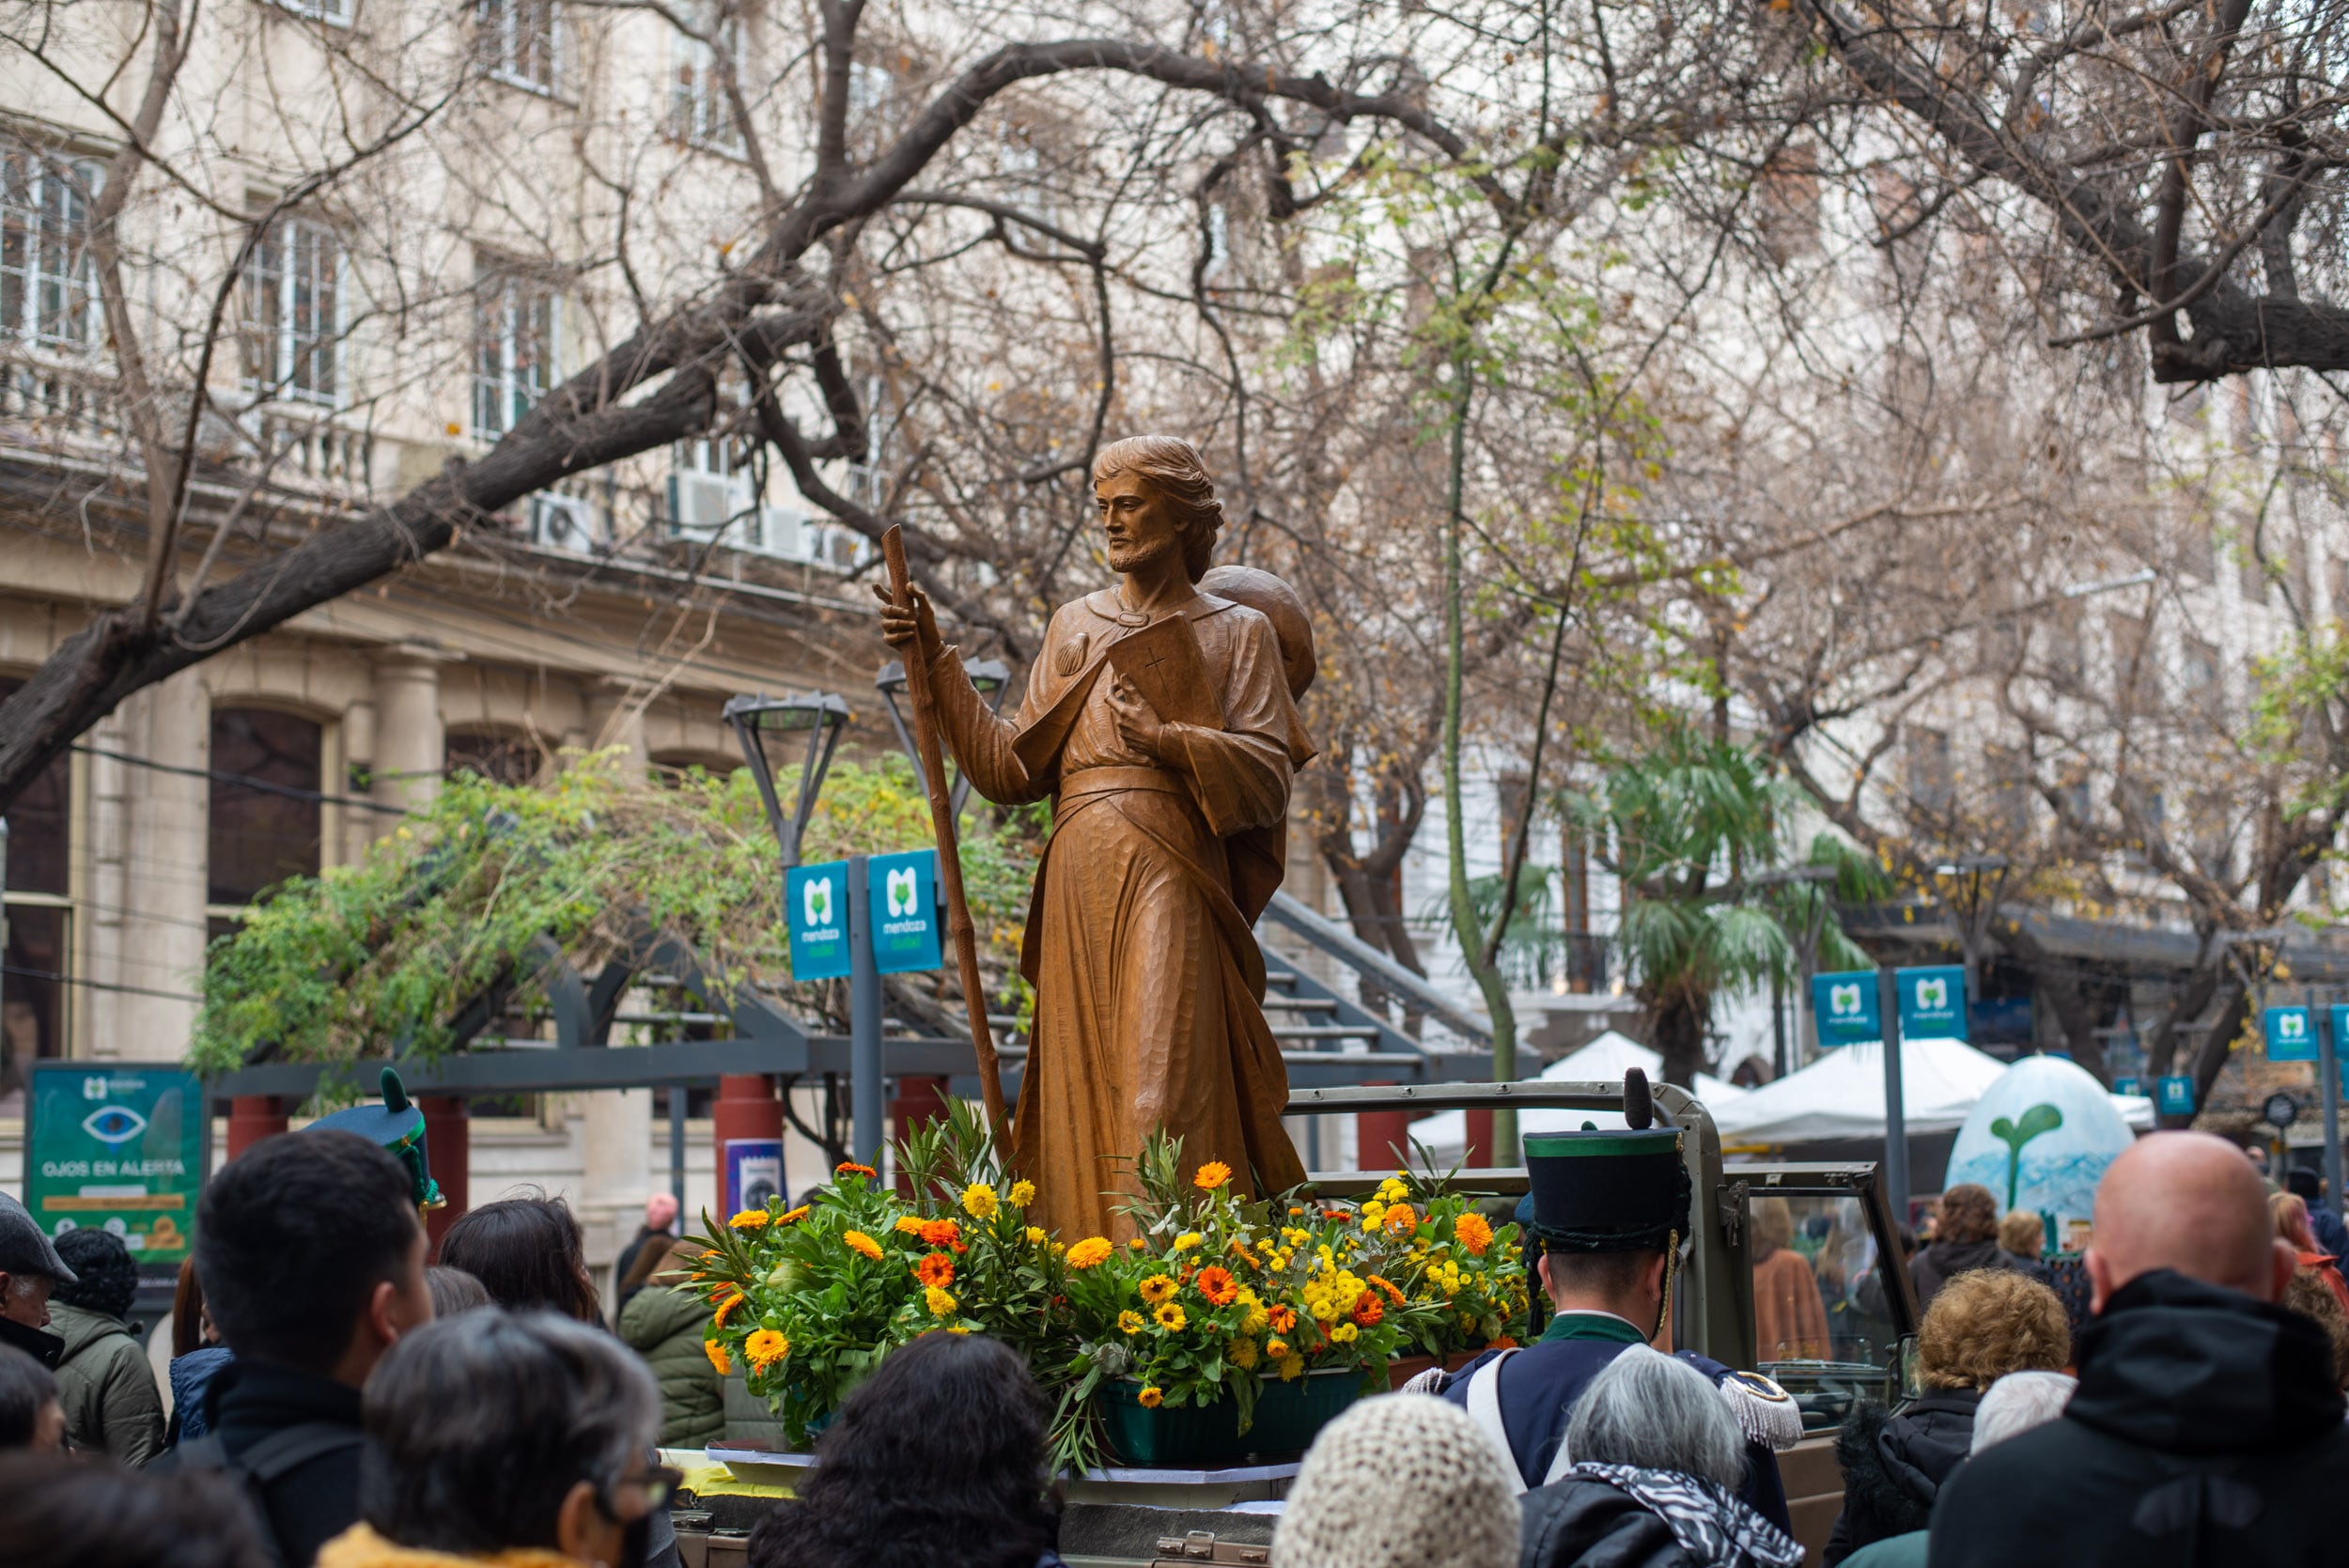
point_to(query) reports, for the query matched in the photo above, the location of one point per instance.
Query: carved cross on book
(1163, 662)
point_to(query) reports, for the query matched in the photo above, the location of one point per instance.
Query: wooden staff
(942, 822)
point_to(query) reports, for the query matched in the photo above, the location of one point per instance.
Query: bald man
(2207, 1427)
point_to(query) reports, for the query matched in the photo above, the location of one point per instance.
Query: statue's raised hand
(900, 627)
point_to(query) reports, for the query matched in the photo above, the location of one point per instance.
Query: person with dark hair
(938, 1460)
(2309, 1186)
(111, 1406)
(526, 1253)
(652, 1237)
(196, 1357)
(1966, 1237)
(59, 1513)
(454, 1291)
(518, 1439)
(30, 1416)
(312, 1262)
(663, 1321)
(30, 1269)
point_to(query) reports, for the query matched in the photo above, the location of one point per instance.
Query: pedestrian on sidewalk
(105, 1382)
(1966, 1237)
(2291, 1215)
(663, 1322)
(196, 1357)
(30, 1271)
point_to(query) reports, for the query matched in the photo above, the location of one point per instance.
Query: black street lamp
(759, 720)
(991, 676)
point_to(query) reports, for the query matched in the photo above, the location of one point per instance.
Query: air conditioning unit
(782, 531)
(564, 521)
(703, 502)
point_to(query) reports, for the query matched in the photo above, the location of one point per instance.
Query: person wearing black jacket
(29, 1270)
(1966, 1238)
(2206, 1429)
(1981, 1327)
(312, 1262)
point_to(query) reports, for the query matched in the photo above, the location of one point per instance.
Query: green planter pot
(1207, 1437)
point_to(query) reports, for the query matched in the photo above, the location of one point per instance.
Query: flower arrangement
(1213, 1297)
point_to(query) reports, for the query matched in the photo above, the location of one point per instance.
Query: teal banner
(905, 911)
(816, 906)
(1843, 1008)
(1933, 1003)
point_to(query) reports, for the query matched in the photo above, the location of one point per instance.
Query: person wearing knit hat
(1402, 1481)
(29, 1270)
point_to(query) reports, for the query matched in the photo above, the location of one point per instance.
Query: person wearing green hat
(1609, 1213)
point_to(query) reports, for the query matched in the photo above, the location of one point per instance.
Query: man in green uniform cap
(1609, 1213)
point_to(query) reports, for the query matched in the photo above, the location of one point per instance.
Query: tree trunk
(1679, 1025)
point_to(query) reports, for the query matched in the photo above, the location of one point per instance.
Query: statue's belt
(1108, 781)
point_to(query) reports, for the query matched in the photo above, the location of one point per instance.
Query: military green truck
(1833, 1217)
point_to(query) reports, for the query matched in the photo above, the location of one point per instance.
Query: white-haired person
(1656, 1460)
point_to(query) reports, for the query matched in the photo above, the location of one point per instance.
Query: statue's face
(1141, 527)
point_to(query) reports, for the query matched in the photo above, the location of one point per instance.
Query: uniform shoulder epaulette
(1765, 1413)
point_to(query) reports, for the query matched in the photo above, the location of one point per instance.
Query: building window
(699, 111)
(34, 988)
(520, 43)
(514, 347)
(507, 759)
(47, 278)
(265, 808)
(292, 340)
(320, 10)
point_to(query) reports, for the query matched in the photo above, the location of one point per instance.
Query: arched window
(507, 759)
(265, 807)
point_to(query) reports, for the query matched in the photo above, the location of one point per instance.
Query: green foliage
(2307, 676)
(495, 879)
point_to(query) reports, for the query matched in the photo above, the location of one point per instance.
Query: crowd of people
(337, 1401)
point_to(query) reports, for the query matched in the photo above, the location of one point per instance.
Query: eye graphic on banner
(114, 1124)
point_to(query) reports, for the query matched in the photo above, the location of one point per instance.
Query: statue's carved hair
(1172, 466)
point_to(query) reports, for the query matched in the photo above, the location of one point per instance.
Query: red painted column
(746, 1109)
(1479, 1152)
(919, 1102)
(449, 1150)
(1382, 1139)
(252, 1118)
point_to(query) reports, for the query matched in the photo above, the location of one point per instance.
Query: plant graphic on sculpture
(2037, 1120)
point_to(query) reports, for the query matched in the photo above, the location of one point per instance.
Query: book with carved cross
(1163, 661)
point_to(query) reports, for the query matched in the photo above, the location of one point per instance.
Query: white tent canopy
(1602, 1060)
(1841, 1095)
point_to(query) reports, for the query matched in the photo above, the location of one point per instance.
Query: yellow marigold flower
(909, 1224)
(1188, 1241)
(1473, 1232)
(1242, 1354)
(792, 1217)
(765, 1348)
(1171, 1317)
(978, 1200)
(750, 1220)
(1034, 1234)
(1392, 1190)
(1292, 1368)
(1211, 1175)
(1022, 1194)
(719, 1319)
(1342, 1334)
(957, 1328)
(717, 1354)
(1152, 1396)
(1277, 1350)
(1373, 1212)
(1091, 1252)
(1129, 1322)
(939, 1302)
(1255, 1321)
(850, 1167)
(1157, 1288)
(1134, 1243)
(857, 1241)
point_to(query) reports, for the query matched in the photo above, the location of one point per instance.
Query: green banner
(120, 1146)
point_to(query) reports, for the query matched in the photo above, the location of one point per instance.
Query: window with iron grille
(516, 321)
(699, 109)
(521, 43)
(291, 336)
(48, 279)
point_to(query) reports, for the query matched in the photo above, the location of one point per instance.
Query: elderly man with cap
(1609, 1211)
(29, 1270)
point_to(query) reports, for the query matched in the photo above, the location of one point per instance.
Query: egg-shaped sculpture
(2040, 1139)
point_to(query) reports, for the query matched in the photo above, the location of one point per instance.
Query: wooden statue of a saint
(1167, 762)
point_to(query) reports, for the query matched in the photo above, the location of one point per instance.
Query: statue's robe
(1139, 943)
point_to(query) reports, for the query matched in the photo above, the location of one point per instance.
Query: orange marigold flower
(850, 1167)
(717, 1354)
(1368, 1311)
(1400, 1220)
(910, 1225)
(1090, 1253)
(1216, 1285)
(765, 1348)
(718, 1320)
(1392, 1295)
(750, 1220)
(942, 1234)
(1506, 1341)
(1152, 1397)
(935, 1269)
(792, 1217)
(1135, 1243)
(1283, 1319)
(857, 1241)
(1211, 1175)
(1473, 1232)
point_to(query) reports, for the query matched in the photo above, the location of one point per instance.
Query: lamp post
(991, 676)
(758, 721)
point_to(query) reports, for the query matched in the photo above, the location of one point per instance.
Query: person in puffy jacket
(662, 1322)
(1981, 1327)
(1967, 1238)
(111, 1406)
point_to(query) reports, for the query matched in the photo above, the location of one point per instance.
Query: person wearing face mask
(521, 1439)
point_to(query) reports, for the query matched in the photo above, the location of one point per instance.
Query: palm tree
(1689, 827)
